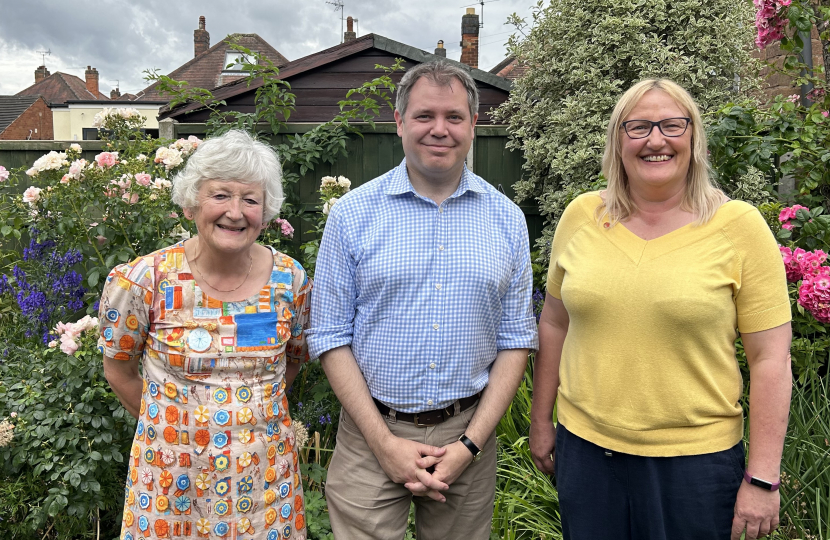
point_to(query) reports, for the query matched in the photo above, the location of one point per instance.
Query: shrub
(582, 55)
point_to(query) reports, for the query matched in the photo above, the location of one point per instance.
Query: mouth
(657, 158)
(230, 229)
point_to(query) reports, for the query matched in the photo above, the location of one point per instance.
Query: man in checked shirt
(421, 316)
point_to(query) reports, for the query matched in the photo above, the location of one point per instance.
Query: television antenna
(481, 3)
(339, 6)
(43, 55)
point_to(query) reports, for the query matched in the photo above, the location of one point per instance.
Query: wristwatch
(763, 484)
(471, 446)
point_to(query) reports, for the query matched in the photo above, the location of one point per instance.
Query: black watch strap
(471, 446)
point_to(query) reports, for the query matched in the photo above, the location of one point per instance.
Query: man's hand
(542, 445)
(447, 468)
(399, 459)
(756, 510)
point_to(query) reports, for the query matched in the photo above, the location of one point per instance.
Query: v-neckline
(638, 249)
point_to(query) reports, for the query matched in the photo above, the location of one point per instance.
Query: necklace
(226, 290)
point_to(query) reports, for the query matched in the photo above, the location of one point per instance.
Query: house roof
(206, 70)
(60, 87)
(509, 68)
(332, 54)
(11, 107)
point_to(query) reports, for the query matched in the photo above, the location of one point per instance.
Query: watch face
(761, 484)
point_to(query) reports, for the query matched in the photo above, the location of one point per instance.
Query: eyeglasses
(670, 127)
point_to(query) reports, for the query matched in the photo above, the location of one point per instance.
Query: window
(234, 60)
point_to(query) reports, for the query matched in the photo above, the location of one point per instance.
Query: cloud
(122, 39)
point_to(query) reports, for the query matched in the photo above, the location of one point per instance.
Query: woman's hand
(756, 511)
(542, 445)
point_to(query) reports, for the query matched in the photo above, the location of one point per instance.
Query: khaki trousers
(365, 504)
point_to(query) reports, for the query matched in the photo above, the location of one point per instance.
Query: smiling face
(656, 161)
(436, 130)
(229, 215)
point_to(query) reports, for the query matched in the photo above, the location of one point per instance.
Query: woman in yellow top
(650, 282)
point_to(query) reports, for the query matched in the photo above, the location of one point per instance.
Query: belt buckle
(418, 424)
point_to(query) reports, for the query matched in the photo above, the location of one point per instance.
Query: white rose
(75, 147)
(344, 182)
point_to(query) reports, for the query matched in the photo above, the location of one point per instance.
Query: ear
(399, 122)
(188, 213)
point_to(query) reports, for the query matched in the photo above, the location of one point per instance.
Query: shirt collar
(398, 182)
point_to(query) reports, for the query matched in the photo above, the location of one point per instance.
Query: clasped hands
(409, 463)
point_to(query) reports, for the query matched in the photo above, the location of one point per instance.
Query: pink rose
(826, 113)
(131, 199)
(143, 178)
(31, 195)
(65, 179)
(787, 225)
(106, 159)
(4, 174)
(68, 345)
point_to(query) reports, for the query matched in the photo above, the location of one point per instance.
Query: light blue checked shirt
(426, 295)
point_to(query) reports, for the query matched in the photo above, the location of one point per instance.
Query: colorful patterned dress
(214, 452)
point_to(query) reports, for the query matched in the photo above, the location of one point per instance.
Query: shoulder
(284, 263)
(581, 210)
(740, 218)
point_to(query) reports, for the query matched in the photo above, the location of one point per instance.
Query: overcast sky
(122, 39)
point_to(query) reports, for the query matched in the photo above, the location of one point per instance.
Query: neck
(214, 264)
(437, 188)
(658, 201)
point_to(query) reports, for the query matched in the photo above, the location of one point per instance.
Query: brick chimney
(115, 93)
(201, 38)
(440, 50)
(469, 38)
(350, 34)
(41, 73)
(92, 81)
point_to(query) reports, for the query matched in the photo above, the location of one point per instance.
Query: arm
(126, 382)
(553, 327)
(505, 376)
(767, 354)
(291, 371)
(396, 456)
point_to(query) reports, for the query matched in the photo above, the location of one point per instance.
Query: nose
(234, 209)
(656, 138)
(439, 127)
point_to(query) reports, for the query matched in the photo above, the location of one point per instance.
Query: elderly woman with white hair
(216, 323)
(650, 282)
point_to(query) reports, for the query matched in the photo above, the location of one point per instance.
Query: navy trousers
(605, 495)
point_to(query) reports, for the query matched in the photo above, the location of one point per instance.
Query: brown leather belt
(433, 417)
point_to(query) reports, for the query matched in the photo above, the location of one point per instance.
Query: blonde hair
(702, 197)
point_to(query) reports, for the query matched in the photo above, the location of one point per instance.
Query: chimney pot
(349, 34)
(91, 76)
(440, 50)
(201, 38)
(469, 38)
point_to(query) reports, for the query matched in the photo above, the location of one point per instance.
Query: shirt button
(432, 365)
(440, 210)
(435, 327)
(440, 248)
(438, 286)
(429, 402)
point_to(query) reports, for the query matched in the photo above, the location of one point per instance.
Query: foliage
(805, 478)
(64, 468)
(581, 56)
(527, 505)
